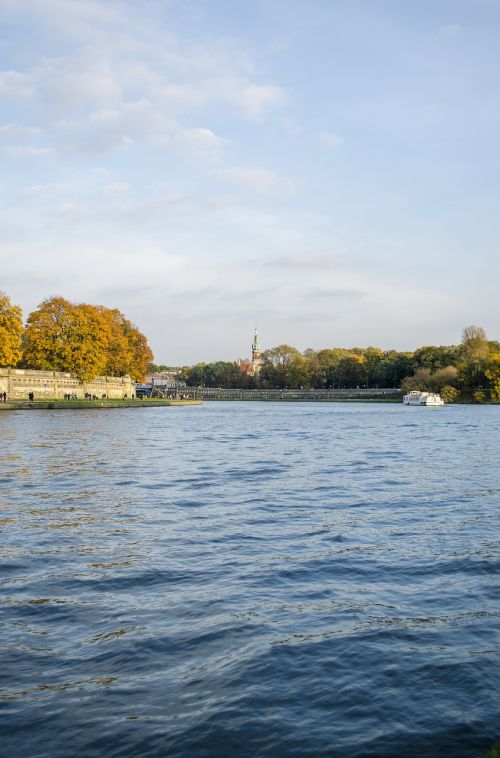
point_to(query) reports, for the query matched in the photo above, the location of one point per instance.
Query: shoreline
(36, 405)
(26, 405)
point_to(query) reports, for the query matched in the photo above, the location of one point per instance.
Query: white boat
(415, 397)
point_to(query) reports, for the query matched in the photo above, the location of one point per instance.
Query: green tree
(278, 366)
(193, 376)
(474, 351)
(492, 373)
(329, 359)
(372, 359)
(350, 371)
(435, 357)
(392, 369)
(11, 331)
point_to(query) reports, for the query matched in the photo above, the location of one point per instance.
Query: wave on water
(250, 580)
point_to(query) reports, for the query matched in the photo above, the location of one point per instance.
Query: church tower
(255, 354)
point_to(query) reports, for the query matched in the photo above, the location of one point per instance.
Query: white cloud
(115, 188)
(39, 190)
(254, 99)
(125, 80)
(72, 211)
(308, 261)
(448, 30)
(18, 134)
(29, 151)
(331, 139)
(200, 139)
(16, 85)
(256, 178)
(196, 141)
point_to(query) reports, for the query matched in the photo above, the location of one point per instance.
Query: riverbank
(300, 395)
(378, 400)
(24, 405)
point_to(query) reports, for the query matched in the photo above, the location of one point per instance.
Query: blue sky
(325, 169)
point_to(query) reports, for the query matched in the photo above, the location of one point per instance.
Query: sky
(327, 170)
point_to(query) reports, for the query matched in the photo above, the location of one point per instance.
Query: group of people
(88, 396)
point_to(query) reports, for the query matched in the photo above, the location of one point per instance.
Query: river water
(250, 579)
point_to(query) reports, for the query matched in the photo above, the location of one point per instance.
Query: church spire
(255, 343)
(255, 354)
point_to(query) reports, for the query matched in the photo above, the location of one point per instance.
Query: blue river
(250, 579)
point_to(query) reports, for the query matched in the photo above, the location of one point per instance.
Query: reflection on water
(250, 579)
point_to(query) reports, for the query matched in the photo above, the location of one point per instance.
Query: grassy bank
(86, 404)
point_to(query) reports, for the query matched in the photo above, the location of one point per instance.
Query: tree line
(82, 339)
(470, 370)
(91, 340)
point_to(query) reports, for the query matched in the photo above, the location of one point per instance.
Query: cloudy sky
(327, 169)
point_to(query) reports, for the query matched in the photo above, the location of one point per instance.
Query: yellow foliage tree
(11, 331)
(63, 336)
(118, 358)
(85, 340)
(140, 353)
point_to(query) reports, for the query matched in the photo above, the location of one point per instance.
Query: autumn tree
(45, 339)
(63, 336)
(86, 340)
(434, 381)
(11, 331)
(449, 393)
(139, 353)
(118, 359)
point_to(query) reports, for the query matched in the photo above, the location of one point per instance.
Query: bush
(478, 396)
(449, 393)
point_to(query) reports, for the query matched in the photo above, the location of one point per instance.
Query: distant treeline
(470, 370)
(92, 340)
(86, 340)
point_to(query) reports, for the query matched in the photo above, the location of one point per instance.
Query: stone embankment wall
(18, 383)
(213, 393)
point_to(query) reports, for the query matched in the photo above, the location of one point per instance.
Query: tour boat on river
(415, 397)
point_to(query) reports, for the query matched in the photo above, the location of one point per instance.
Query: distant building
(255, 354)
(164, 379)
(161, 383)
(251, 367)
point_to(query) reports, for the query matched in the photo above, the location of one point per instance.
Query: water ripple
(250, 579)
